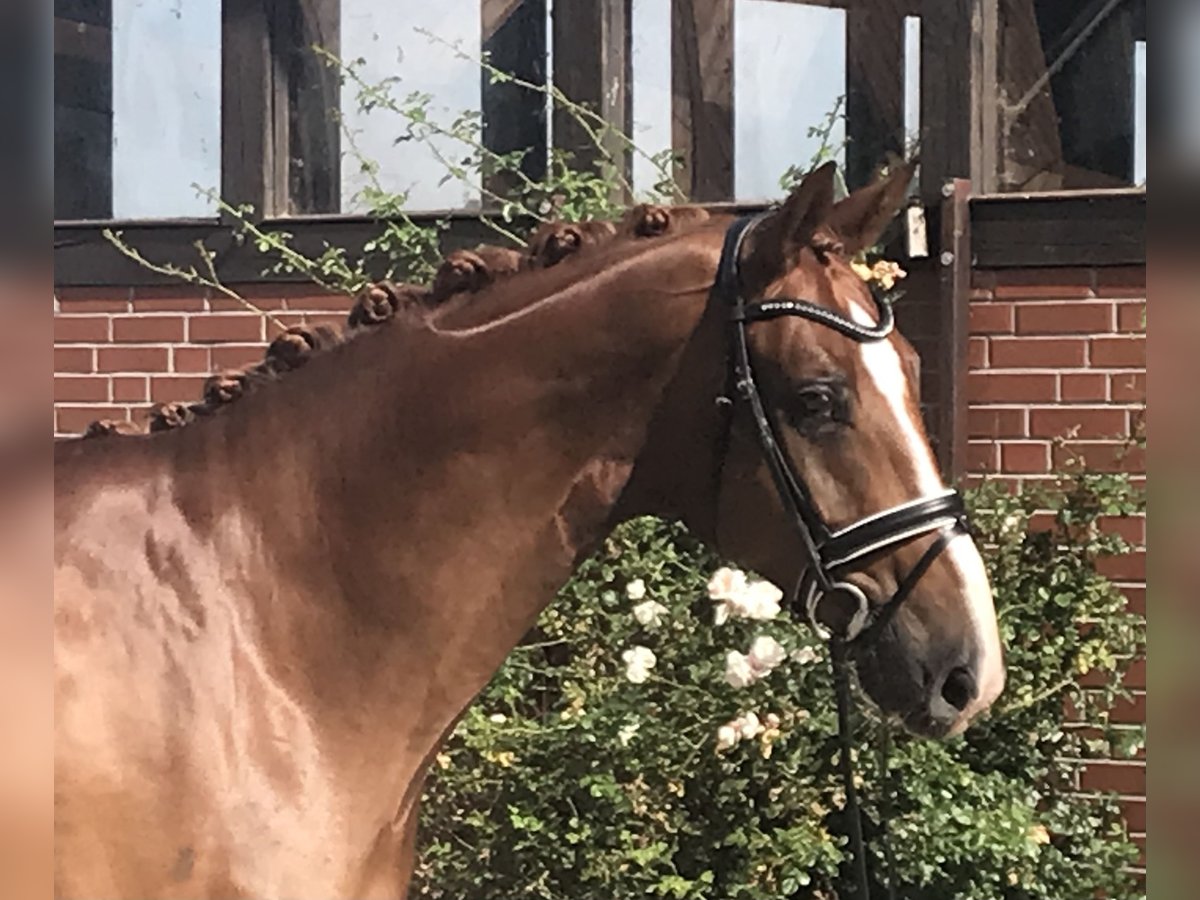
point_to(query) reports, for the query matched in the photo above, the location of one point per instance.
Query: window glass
(386, 38)
(651, 48)
(166, 107)
(789, 77)
(1067, 88)
(912, 82)
(1139, 113)
(137, 108)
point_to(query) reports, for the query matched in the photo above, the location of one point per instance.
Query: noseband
(831, 554)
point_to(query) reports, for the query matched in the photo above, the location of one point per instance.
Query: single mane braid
(381, 302)
(296, 345)
(470, 271)
(108, 428)
(651, 220)
(224, 387)
(553, 242)
(169, 416)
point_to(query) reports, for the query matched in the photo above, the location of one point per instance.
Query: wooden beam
(955, 283)
(83, 110)
(83, 257)
(985, 88)
(903, 7)
(89, 12)
(314, 157)
(81, 40)
(874, 88)
(1139, 20)
(946, 95)
(253, 108)
(1093, 93)
(514, 118)
(702, 96)
(593, 66)
(1070, 228)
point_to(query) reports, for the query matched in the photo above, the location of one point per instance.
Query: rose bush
(667, 731)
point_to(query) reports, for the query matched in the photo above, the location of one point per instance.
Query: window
(1139, 113)
(912, 81)
(389, 39)
(789, 91)
(137, 108)
(650, 46)
(1068, 76)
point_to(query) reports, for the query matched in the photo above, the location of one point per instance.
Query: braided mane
(462, 274)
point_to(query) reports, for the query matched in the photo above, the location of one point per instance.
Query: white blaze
(883, 365)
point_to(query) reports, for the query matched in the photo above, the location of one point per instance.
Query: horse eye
(815, 403)
(819, 410)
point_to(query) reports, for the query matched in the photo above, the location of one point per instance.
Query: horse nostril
(959, 688)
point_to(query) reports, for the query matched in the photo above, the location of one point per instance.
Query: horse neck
(428, 493)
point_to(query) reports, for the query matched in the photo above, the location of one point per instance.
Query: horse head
(818, 470)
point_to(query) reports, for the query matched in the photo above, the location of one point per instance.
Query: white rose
(765, 654)
(738, 671)
(760, 600)
(636, 589)
(498, 718)
(749, 726)
(727, 737)
(726, 583)
(637, 675)
(638, 663)
(625, 735)
(806, 656)
(649, 613)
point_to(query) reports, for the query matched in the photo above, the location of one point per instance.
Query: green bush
(567, 780)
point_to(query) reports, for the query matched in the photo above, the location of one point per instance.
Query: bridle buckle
(858, 621)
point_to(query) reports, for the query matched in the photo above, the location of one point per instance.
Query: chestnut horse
(267, 622)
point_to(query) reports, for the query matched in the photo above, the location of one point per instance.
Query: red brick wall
(119, 351)
(1061, 353)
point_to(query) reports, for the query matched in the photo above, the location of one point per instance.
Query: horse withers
(267, 621)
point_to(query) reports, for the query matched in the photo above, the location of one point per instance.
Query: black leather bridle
(831, 554)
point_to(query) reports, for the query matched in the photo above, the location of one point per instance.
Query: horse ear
(775, 246)
(861, 218)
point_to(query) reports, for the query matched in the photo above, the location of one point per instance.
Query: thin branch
(266, 239)
(385, 100)
(1037, 698)
(580, 113)
(189, 275)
